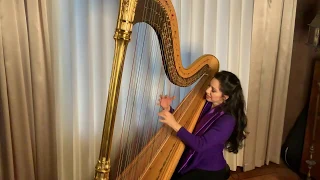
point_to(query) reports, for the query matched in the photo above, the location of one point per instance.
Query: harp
(164, 150)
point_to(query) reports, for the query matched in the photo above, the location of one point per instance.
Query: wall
(303, 58)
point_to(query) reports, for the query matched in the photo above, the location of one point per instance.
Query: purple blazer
(204, 147)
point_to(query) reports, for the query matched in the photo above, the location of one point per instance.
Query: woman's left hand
(169, 119)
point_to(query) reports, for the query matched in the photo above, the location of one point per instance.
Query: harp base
(102, 169)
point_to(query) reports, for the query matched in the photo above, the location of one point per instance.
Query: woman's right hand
(165, 102)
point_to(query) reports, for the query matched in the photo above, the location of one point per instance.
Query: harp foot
(102, 169)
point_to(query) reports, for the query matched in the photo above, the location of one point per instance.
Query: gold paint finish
(122, 38)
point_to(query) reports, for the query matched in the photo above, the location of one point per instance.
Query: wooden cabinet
(311, 148)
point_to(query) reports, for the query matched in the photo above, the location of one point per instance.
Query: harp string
(131, 145)
(149, 124)
(123, 150)
(135, 99)
(144, 96)
(163, 136)
(147, 31)
(167, 86)
(123, 129)
(142, 139)
(149, 86)
(127, 107)
(167, 129)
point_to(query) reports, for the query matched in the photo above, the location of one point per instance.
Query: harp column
(122, 37)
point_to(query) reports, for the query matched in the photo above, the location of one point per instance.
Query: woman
(221, 125)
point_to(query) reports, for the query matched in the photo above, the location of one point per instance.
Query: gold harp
(168, 150)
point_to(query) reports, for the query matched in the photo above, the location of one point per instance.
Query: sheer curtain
(83, 51)
(272, 39)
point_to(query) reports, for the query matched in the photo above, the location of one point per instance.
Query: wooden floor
(270, 172)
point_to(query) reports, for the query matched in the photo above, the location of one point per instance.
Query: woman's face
(213, 93)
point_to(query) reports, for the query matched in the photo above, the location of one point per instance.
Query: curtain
(83, 45)
(272, 39)
(27, 108)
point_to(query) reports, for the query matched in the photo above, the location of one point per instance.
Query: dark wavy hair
(234, 105)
